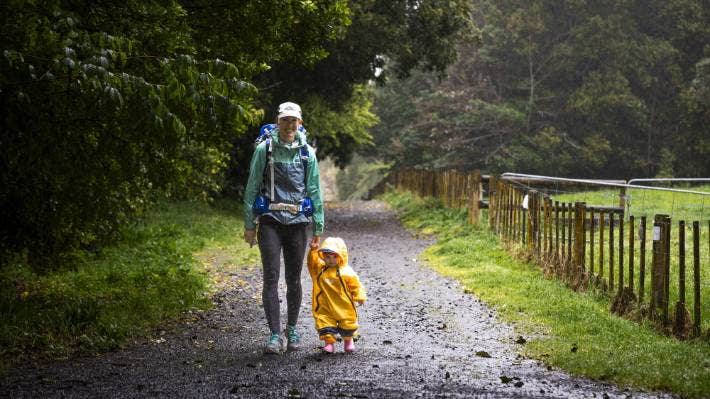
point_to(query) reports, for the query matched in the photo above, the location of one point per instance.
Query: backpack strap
(269, 166)
(304, 162)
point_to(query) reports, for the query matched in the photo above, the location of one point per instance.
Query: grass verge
(98, 301)
(565, 329)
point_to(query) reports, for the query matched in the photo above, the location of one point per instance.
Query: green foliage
(256, 34)
(553, 318)
(99, 300)
(339, 133)
(385, 37)
(696, 113)
(571, 88)
(109, 106)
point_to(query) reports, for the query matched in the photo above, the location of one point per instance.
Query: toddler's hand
(250, 237)
(360, 303)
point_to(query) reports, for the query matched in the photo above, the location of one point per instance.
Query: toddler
(336, 290)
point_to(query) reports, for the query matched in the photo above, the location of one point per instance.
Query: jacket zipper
(319, 286)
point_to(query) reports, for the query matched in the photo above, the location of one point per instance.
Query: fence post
(621, 253)
(548, 225)
(667, 265)
(611, 251)
(658, 267)
(504, 207)
(601, 244)
(631, 253)
(524, 215)
(537, 224)
(492, 206)
(681, 262)
(578, 253)
(517, 231)
(696, 278)
(557, 232)
(569, 233)
(563, 242)
(500, 206)
(457, 187)
(511, 209)
(474, 193)
(591, 243)
(531, 215)
(642, 260)
(445, 188)
(461, 192)
(681, 323)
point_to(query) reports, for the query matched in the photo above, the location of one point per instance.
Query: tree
(385, 37)
(568, 88)
(108, 106)
(692, 150)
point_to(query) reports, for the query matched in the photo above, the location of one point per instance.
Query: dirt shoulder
(422, 336)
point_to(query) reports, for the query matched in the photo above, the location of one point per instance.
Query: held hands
(315, 242)
(250, 237)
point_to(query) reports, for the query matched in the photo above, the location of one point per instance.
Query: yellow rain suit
(335, 291)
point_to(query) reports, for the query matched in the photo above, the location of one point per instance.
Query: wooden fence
(583, 245)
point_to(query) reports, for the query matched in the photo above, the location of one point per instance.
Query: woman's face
(288, 126)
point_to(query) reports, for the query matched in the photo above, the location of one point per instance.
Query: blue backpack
(261, 203)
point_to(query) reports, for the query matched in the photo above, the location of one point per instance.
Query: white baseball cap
(289, 109)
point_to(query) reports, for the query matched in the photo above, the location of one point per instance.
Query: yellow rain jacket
(335, 291)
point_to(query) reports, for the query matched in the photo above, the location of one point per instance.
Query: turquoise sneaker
(293, 340)
(274, 345)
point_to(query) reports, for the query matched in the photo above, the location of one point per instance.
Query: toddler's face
(330, 259)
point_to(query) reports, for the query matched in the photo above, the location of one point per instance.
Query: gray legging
(273, 237)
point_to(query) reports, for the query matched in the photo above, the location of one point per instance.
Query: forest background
(110, 108)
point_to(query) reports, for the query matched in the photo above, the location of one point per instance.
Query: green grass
(98, 301)
(554, 318)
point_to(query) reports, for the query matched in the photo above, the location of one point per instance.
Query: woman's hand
(250, 237)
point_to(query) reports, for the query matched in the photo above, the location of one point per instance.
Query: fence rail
(583, 245)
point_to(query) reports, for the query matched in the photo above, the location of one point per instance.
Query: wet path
(420, 338)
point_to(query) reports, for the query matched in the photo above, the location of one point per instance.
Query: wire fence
(650, 253)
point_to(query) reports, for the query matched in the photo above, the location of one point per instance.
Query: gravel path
(420, 338)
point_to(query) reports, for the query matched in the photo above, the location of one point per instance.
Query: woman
(284, 180)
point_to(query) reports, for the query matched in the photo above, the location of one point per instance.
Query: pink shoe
(328, 348)
(349, 345)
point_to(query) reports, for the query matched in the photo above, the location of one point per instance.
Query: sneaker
(328, 348)
(349, 345)
(293, 340)
(274, 345)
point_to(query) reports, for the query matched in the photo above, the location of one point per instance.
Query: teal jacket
(289, 184)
